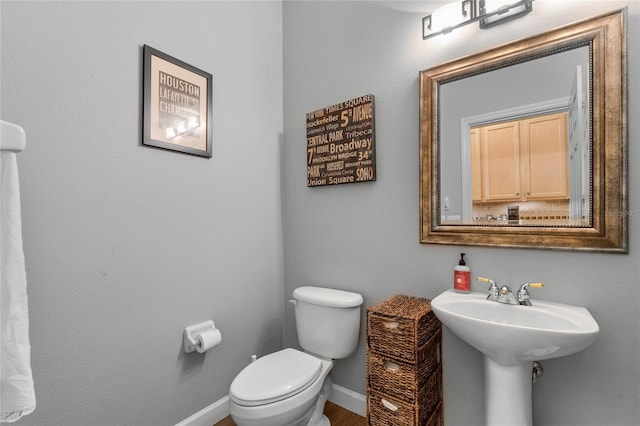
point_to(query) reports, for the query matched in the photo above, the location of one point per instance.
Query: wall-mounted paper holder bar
(192, 332)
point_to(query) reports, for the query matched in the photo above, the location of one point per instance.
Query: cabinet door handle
(391, 366)
(389, 405)
(391, 325)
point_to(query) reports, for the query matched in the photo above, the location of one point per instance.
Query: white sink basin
(511, 334)
(511, 337)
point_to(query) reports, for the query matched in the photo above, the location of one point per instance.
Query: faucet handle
(486, 280)
(493, 289)
(523, 287)
(523, 293)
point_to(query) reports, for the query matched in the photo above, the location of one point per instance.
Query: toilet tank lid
(327, 297)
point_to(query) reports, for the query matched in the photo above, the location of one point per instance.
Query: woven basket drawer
(385, 410)
(401, 379)
(400, 326)
(436, 418)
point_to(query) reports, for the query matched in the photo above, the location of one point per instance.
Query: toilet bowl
(290, 387)
(282, 388)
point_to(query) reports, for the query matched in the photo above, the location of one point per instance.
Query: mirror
(524, 145)
(515, 147)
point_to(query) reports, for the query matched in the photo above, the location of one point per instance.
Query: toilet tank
(327, 320)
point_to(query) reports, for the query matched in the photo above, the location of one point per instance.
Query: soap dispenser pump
(462, 276)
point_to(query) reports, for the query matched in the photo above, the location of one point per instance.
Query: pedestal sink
(511, 337)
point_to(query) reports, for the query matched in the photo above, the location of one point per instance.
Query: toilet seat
(274, 377)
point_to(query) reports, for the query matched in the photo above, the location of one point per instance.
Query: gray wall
(126, 245)
(364, 237)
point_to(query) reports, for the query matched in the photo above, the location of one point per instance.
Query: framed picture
(341, 143)
(177, 105)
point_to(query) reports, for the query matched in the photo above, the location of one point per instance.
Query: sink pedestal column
(508, 394)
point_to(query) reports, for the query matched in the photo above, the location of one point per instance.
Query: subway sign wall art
(341, 143)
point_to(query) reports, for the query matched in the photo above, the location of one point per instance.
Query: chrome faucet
(523, 293)
(493, 288)
(505, 295)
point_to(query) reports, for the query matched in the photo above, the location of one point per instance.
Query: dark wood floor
(337, 415)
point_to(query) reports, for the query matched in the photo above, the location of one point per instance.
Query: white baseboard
(217, 411)
(209, 415)
(349, 399)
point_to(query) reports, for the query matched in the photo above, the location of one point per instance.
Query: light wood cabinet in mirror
(504, 162)
(521, 160)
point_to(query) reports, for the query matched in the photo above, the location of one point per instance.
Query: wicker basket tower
(404, 370)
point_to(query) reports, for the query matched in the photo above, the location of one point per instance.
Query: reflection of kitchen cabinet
(546, 154)
(500, 145)
(521, 160)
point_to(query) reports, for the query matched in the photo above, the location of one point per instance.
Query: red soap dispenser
(462, 276)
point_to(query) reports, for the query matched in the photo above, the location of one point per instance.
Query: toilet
(290, 387)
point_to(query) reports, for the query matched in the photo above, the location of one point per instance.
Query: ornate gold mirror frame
(607, 229)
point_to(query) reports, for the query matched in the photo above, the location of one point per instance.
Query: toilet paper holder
(191, 333)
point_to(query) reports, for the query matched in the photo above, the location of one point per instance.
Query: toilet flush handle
(294, 302)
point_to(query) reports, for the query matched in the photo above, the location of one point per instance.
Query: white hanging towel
(17, 396)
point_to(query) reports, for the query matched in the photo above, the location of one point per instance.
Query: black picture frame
(177, 105)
